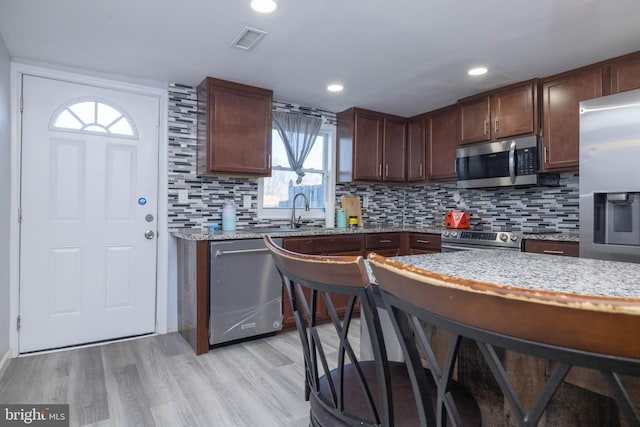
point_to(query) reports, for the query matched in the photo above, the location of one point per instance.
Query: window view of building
(279, 190)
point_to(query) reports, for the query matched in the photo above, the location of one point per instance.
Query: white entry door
(88, 208)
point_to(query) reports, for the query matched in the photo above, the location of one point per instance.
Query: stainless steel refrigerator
(610, 177)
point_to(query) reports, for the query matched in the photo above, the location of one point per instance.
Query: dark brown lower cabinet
(385, 244)
(337, 245)
(423, 243)
(552, 247)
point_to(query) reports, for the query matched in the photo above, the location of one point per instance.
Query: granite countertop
(256, 233)
(563, 236)
(581, 276)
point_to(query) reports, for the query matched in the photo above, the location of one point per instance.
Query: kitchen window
(275, 193)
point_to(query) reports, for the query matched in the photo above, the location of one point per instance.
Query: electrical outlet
(365, 201)
(183, 196)
(246, 202)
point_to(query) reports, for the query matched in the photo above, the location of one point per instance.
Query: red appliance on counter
(457, 220)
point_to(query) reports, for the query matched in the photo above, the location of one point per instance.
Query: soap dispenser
(229, 216)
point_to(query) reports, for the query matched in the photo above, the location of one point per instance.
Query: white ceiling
(400, 56)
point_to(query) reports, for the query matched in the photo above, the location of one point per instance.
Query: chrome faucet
(294, 223)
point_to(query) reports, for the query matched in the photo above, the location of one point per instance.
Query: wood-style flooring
(159, 381)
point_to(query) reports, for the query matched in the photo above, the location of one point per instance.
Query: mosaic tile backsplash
(524, 209)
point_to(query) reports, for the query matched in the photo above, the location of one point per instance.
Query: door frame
(18, 70)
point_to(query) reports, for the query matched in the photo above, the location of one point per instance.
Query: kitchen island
(581, 276)
(601, 290)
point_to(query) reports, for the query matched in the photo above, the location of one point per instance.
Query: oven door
(457, 247)
(452, 247)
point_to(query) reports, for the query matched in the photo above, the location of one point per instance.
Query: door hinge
(21, 104)
(18, 320)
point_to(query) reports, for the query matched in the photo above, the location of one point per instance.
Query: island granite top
(580, 276)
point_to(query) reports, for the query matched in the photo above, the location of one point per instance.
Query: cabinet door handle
(485, 127)
(420, 174)
(496, 126)
(269, 160)
(384, 241)
(544, 152)
(380, 170)
(386, 170)
(552, 252)
(426, 242)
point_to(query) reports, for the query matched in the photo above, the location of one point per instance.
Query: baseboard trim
(4, 362)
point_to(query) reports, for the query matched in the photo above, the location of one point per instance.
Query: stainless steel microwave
(497, 164)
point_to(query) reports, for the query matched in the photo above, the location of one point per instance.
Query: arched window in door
(95, 116)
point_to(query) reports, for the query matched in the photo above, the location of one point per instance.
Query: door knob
(149, 234)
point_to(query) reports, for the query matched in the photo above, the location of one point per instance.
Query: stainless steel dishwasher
(245, 289)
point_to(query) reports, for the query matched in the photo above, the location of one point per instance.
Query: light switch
(183, 196)
(246, 202)
(365, 201)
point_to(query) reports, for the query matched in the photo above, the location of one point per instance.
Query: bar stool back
(344, 390)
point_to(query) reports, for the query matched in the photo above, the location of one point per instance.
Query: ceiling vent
(248, 38)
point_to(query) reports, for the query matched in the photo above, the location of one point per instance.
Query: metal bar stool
(343, 389)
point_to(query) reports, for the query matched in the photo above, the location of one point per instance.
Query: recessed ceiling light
(478, 71)
(263, 6)
(335, 87)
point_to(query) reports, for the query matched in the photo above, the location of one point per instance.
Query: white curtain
(298, 132)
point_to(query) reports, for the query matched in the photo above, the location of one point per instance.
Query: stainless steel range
(467, 240)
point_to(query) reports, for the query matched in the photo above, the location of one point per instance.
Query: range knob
(454, 234)
(514, 237)
(446, 234)
(503, 236)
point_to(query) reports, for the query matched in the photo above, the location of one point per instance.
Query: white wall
(5, 184)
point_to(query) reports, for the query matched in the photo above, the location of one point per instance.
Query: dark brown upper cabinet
(234, 129)
(475, 120)
(394, 146)
(561, 96)
(624, 74)
(416, 150)
(500, 114)
(359, 152)
(378, 147)
(442, 141)
(515, 110)
(371, 146)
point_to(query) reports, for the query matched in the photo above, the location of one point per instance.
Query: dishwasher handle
(240, 251)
